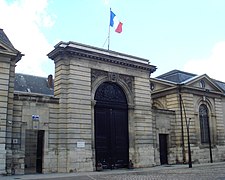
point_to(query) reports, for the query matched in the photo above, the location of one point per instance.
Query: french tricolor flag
(114, 22)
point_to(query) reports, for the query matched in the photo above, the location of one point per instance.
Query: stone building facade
(9, 56)
(199, 104)
(103, 111)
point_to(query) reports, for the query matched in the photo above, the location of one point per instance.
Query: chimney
(50, 81)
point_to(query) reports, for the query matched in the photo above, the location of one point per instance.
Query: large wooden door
(111, 127)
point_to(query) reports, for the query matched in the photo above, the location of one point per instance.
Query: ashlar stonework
(80, 70)
(103, 110)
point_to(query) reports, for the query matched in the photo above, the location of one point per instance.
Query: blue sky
(187, 35)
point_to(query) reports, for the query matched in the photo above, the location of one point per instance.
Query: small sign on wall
(81, 144)
(35, 117)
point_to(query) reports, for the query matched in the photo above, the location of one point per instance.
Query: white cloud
(22, 23)
(213, 66)
(106, 2)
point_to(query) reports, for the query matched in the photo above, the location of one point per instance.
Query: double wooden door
(111, 127)
(111, 137)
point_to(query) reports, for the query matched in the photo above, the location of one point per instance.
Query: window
(202, 84)
(204, 123)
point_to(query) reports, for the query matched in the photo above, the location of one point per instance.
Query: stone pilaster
(4, 91)
(143, 123)
(79, 120)
(220, 127)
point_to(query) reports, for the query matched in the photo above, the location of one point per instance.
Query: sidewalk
(89, 175)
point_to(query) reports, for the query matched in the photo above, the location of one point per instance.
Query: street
(214, 171)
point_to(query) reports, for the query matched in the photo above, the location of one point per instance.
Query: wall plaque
(80, 144)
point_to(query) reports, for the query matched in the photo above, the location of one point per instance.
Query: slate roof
(39, 85)
(32, 84)
(179, 77)
(5, 39)
(220, 84)
(176, 76)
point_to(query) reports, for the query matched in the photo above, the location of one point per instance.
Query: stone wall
(164, 122)
(190, 111)
(173, 103)
(144, 149)
(4, 91)
(220, 126)
(25, 106)
(73, 88)
(7, 69)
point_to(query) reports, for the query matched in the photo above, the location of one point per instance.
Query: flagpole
(109, 30)
(109, 38)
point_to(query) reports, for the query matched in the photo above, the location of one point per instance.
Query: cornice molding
(34, 97)
(71, 49)
(186, 89)
(13, 56)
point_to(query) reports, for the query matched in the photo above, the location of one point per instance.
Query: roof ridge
(175, 71)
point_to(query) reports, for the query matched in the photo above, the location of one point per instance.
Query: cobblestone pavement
(214, 171)
(209, 172)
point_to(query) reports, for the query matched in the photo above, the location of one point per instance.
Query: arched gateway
(111, 126)
(99, 91)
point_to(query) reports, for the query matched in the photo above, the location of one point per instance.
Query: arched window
(204, 123)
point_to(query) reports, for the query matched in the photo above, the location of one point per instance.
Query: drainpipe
(210, 144)
(181, 119)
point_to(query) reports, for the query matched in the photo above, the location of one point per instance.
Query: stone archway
(111, 126)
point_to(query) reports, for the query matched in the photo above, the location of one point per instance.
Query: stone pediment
(7, 49)
(4, 49)
(9, 52)
(187, 80)
(204, 82)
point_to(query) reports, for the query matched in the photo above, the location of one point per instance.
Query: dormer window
(202, 84)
